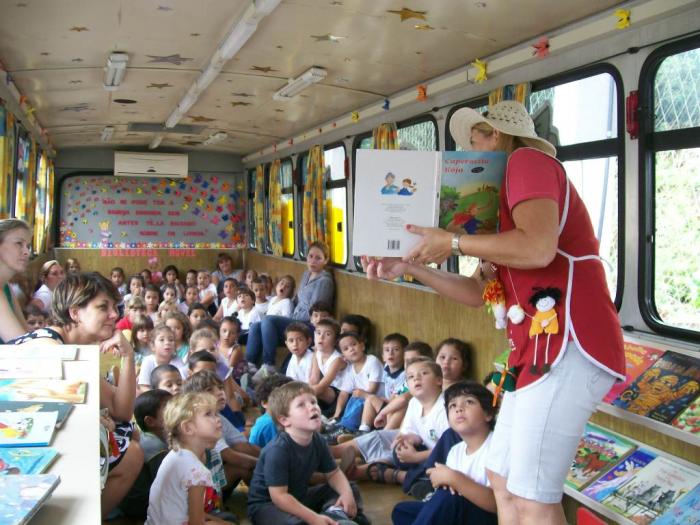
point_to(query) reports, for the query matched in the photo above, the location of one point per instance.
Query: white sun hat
(508, 117)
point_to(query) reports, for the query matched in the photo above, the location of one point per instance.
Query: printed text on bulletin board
(201, 211)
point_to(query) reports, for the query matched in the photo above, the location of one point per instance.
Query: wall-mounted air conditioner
(166, 165)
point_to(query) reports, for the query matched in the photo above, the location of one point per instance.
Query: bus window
(252, 233)
(672, 259)
(337, 204)
(287, 208)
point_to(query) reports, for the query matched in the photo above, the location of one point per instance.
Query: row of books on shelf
(634, 482)
(660, 384)
(35, 401)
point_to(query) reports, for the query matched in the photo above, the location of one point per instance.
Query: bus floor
(379, 500)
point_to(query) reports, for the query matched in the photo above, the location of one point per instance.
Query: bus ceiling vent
(296, 85)
(115, 70)
(153, 165)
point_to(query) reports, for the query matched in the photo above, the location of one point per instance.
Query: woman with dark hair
(563, 330)
(316, 285)
(15, 248)
(84, 311)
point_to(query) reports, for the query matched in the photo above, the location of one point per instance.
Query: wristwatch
(455, 244)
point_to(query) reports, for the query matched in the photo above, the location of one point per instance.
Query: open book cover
(597, 452)
(637, 359)
(63, 409)
(21, 429)
(664, 389)
(469, 190)
(393, 188)
(22, 496)
(457, 190)
(31, 368)
(653, 490)
(61, 390)
(26, 460)
(686, 511)
(619, 475)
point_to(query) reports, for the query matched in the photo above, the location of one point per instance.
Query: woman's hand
(435, 245)
(388, 268)
(117, 344)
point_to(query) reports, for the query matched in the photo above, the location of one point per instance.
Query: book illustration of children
(389, 188)
(409, 188)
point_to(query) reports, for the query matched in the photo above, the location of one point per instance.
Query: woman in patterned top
(15, 248)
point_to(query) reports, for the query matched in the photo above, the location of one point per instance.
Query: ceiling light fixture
(297, 85)
(215, 138)
(107, 133)
(115, 70)
(234, 41)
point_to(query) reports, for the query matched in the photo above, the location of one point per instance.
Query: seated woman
(316, 285)
(15, 247)
(50, 275)
(84, 311)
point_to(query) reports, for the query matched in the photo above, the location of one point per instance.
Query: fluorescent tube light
(115, 70)
(215, 138)
(107, 134)
(297, 85)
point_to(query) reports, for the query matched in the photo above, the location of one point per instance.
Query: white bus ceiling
(56, 53)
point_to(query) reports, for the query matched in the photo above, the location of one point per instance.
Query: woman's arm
(10, 325)
(532, 244)
(120, 400)
(219, 315)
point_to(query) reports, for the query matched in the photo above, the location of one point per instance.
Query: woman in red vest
(563, 330)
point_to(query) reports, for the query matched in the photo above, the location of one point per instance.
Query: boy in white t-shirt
(247, 314)
(391, 454)
(297, 338)
(259, 289)
(464, 494)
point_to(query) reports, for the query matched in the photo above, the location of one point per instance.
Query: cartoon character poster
(200, 211)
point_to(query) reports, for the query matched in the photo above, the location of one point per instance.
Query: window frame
(357, 140)
(650, 143)
(250, 208)
(340, 183)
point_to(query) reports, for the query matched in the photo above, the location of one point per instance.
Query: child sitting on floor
(453, 356)
(228, 305)
(390, 454)
(462, 490)
(163, 348)
(238, 455)
(259, 289)
(281, 303)
(191, 297)
(148, 413)
(362, 378)
(328, 366)
(279, 491)
(182, 329)
(141, 339)
(393, 378)
(357, 323)
(136, 287)
(151, 296)
(134, 308)
(264, 430)
(247, 314)
(179, 492)
(229, 349)
(297, 338)
(36, 317)
(166, 377)
(196, 314)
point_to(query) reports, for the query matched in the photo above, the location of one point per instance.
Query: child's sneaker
(337, 513)
(332, 436)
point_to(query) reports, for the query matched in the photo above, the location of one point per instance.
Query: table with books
(49, 434)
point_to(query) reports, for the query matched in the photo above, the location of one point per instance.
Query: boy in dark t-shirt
(279, 492)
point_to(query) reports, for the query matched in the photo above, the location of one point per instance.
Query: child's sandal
(376, 472)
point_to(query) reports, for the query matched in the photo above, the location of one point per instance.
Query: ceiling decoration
(170, 43)
(406, 14)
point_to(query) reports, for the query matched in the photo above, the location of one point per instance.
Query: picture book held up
(457, 190)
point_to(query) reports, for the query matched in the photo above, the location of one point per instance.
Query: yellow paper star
(265, 69)
(623, 18)
(79, 29)
(200, 118)
(355, 116)
(480, 71)
(406, 13)
(423, 27)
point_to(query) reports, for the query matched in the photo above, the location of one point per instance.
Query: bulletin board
(201, 211)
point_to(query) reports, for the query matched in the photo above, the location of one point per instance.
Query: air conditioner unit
(164, 165)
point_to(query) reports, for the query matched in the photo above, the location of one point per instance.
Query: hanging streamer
(355, 116)
(623, 18)
(541, 47)
(422, 95)
(480, 71)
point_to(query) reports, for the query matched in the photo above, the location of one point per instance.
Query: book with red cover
(638, 358)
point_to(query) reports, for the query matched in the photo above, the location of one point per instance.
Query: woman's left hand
(117, 344)
(435, 245)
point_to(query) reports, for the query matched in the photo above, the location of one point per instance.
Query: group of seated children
(335, 414)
